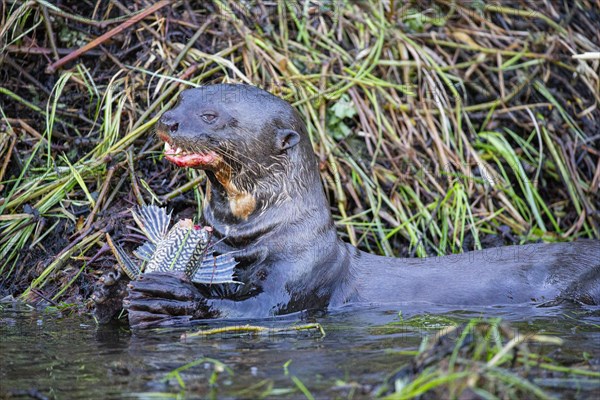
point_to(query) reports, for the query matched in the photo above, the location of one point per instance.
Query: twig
(45, 51)
(57, 64)
(101, 196)
(7, 158)
(49, 32)
(182, 189)
(133, 178)
(254, 329)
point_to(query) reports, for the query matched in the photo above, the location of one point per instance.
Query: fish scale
(183, 248)
(180, 250)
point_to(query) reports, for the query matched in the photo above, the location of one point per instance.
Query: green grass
(485, 358)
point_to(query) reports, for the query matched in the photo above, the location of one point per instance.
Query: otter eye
(208, 117)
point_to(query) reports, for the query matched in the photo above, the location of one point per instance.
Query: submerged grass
(484, 359)
(456, 360)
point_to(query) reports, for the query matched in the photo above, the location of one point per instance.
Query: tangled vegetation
(440, 126)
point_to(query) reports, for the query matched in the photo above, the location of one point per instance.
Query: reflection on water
(45, 356)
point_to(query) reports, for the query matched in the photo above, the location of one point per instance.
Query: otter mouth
(183, 158)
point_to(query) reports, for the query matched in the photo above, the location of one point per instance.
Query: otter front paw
(107, 299)
(164, 299)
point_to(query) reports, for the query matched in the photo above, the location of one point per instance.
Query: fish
(183, 248)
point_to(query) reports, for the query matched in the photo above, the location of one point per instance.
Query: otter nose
(168, 123)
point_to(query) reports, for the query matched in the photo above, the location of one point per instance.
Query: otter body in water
(266, 201)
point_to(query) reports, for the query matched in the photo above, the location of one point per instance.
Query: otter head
(250, 143)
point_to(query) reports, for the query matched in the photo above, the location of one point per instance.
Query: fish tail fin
(127, 265)
(216, 270)
(153, 221)
(145, 251)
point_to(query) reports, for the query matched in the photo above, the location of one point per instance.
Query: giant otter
(265, 200)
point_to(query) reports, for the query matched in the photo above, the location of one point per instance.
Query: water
(45, 355)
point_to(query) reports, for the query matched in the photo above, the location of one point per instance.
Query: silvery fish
(184, 248)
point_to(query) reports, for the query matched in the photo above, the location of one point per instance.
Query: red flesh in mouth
(184, 159)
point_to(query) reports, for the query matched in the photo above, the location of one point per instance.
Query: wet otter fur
(266, 201)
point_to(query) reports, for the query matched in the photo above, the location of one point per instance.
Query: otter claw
(158, 297)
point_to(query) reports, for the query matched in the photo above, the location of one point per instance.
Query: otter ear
(286, 138)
